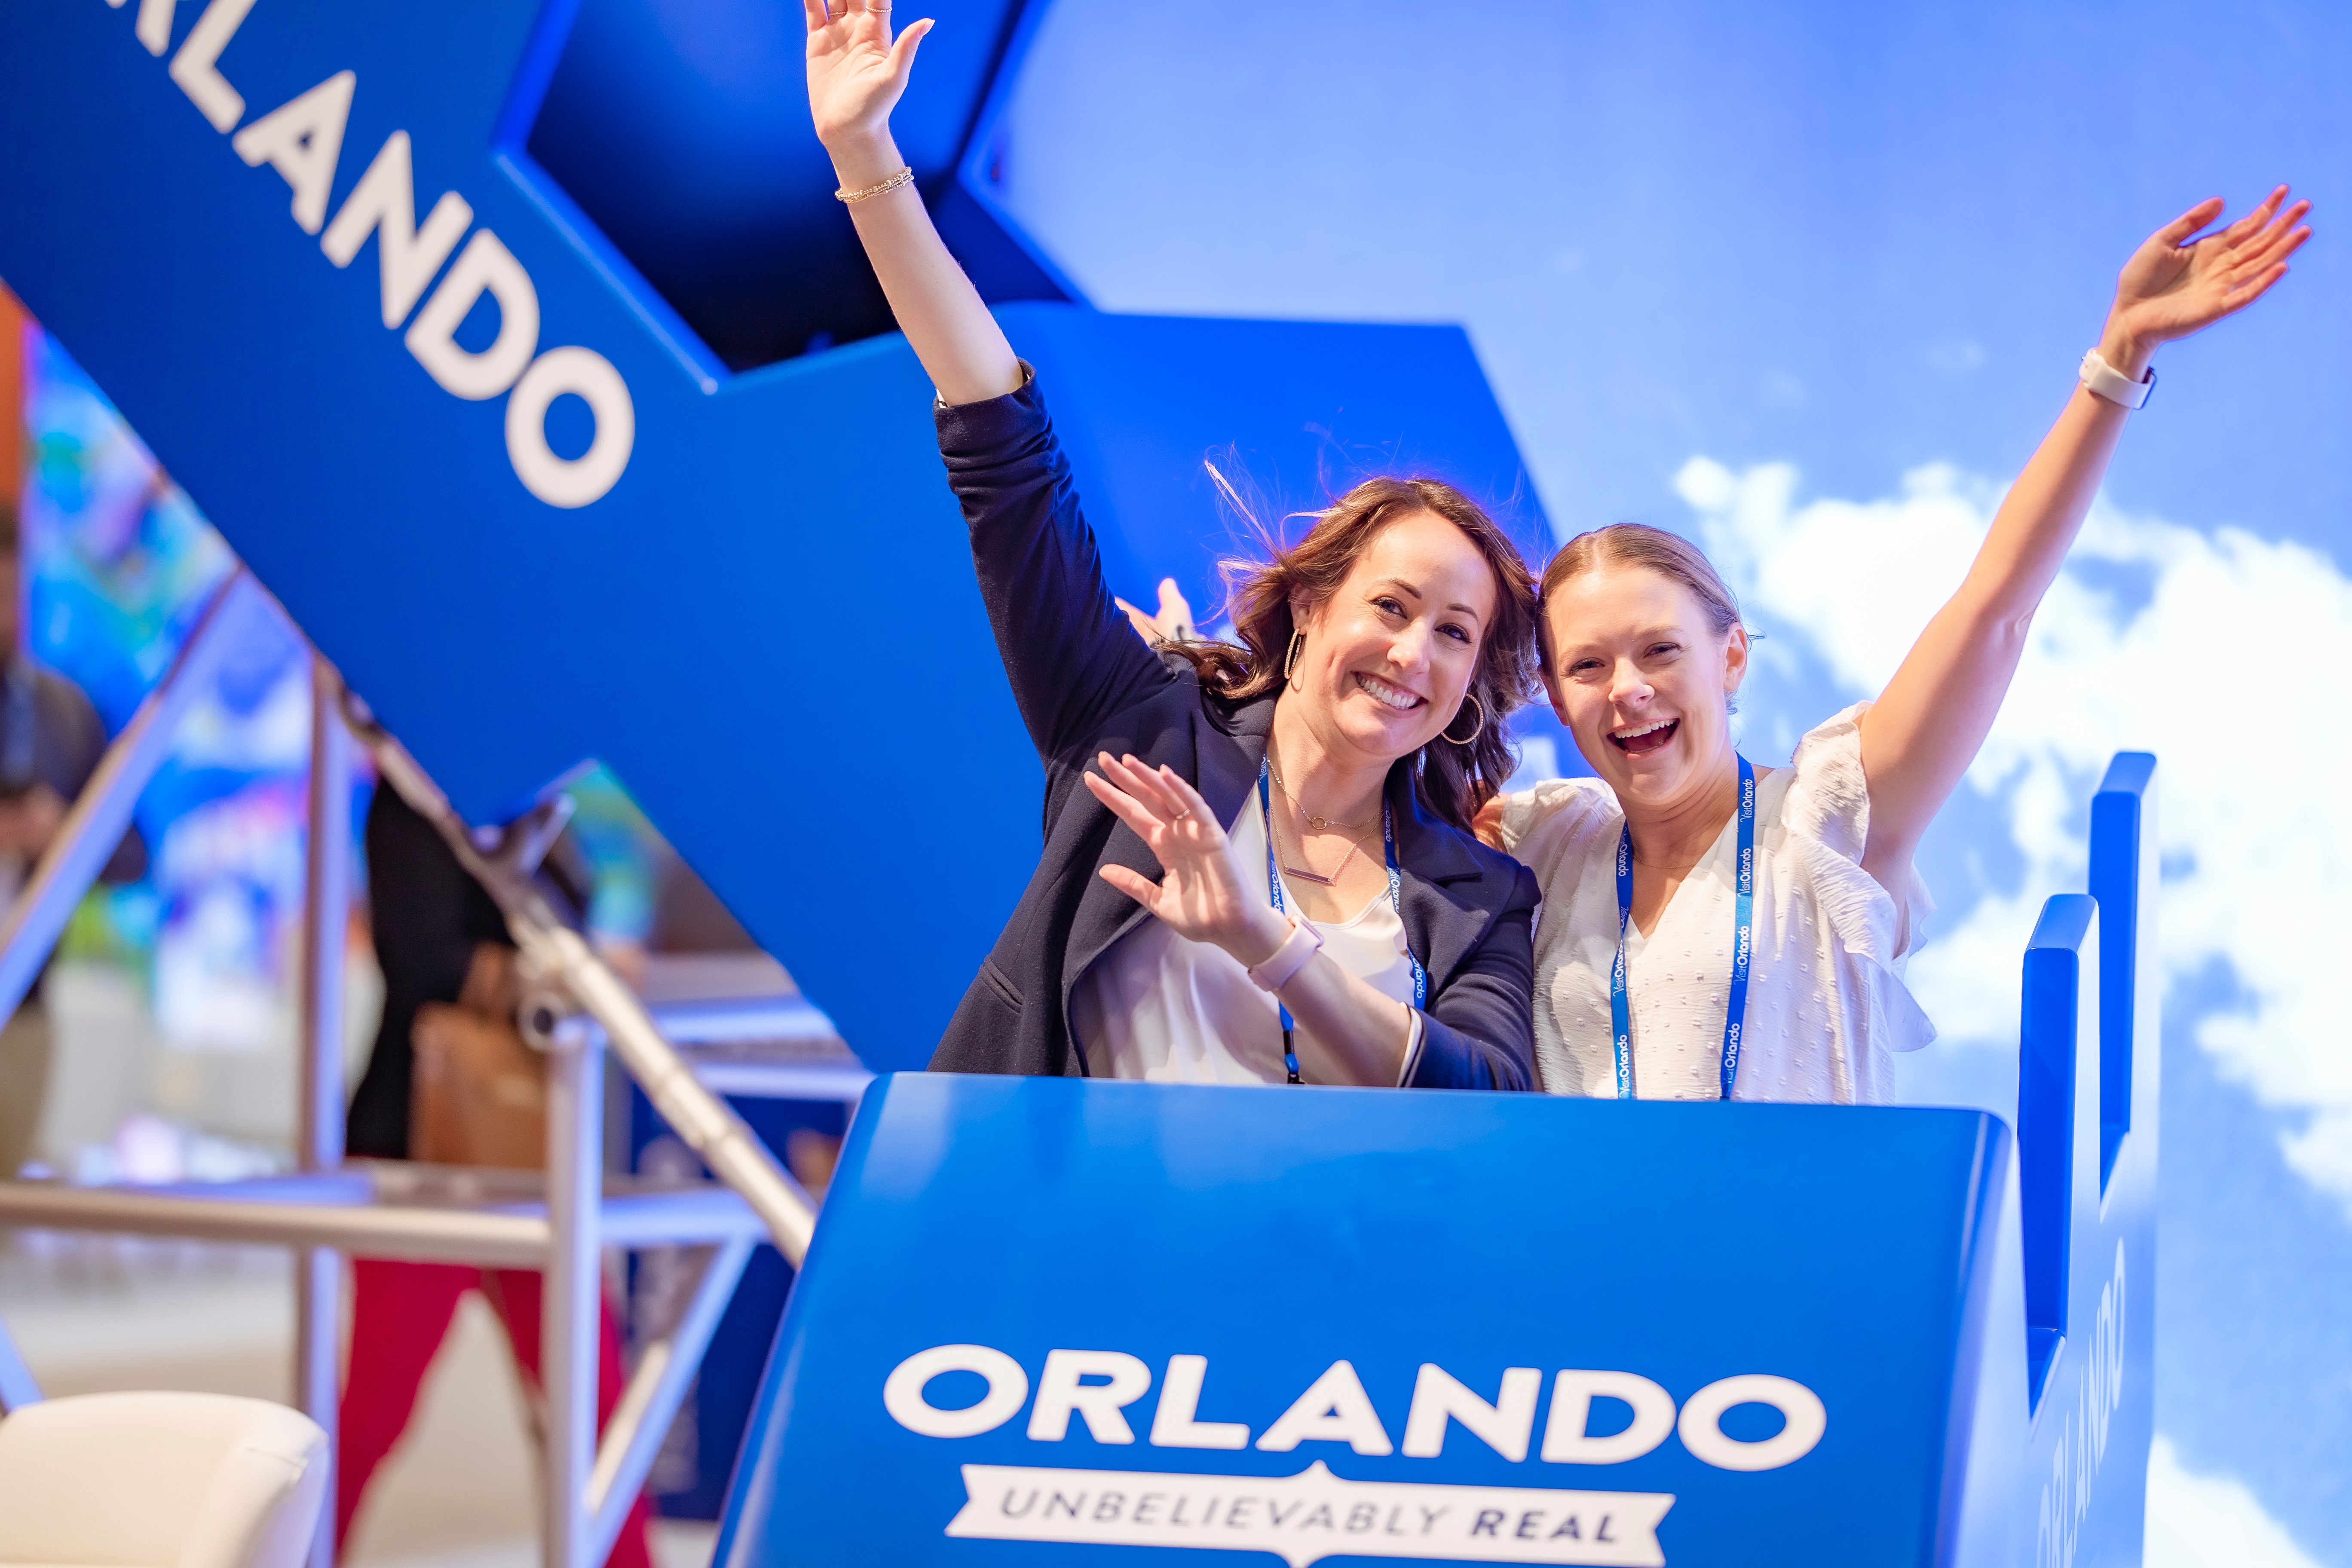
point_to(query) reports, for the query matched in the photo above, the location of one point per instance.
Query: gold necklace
(1320, 823)
(1354, 848)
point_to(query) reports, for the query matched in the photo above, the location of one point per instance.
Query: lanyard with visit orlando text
(1274, 891)
(1735, 1011)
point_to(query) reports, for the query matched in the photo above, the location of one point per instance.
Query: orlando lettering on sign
(302, 140)
(1314, 1513)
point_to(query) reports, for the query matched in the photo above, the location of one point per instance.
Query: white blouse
(1826, 1001)
(1160, 1006)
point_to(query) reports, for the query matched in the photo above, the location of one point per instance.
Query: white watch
(1285, 962)
(2104, 381)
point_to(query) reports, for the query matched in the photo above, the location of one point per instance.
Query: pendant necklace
(1320, 823)
(1305, 876)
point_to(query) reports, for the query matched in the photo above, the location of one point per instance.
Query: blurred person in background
(50, 744)
(449, 978)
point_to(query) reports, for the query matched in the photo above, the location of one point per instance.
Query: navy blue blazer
(1085, 683)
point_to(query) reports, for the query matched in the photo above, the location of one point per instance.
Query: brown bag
(478, 1094)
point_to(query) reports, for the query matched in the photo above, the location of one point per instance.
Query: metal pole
(494, 1234)
(666, 1370)
(708, 1124)
(17, 1387)
(326, 920)
(516, 1238)
(95, 823)
(319, 1272)
(573, 1297)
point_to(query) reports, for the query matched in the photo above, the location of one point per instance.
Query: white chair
(160, 1481)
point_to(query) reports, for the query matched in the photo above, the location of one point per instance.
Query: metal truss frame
(558, 1221)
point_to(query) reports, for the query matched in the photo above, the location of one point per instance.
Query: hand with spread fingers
(2175, 284)
(856, 72)
(1924, 731)
(1204, 895)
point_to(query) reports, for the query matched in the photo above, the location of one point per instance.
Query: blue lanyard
(1274, 892)
(1734, 1014)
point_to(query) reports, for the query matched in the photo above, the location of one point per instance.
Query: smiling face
(1389, 656)
(1642, 680)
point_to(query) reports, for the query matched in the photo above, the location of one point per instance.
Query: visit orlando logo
(1313, 1513)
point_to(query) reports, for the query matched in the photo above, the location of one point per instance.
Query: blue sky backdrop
(1807, 282)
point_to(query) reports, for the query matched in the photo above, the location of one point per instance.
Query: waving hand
(855, 73)
(1203, 896)
(1925, 728)
(2175, 285)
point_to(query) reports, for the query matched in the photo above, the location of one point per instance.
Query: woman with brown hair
(1267, 873)
(1715, 930)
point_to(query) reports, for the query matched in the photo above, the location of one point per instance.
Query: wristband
(1288, 960)
(2103, 380)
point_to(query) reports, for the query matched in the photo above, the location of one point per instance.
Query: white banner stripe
(1312, 1515)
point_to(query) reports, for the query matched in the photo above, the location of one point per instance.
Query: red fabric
(400, 1314)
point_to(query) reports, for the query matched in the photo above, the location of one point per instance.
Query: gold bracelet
(904, 176)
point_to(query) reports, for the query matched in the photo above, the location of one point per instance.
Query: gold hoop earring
(1290, 656)
(1467, 697)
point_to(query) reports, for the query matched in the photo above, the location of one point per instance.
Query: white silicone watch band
(1288, 959)
(2104, 381)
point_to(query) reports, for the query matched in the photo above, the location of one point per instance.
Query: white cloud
(2209, 1521)
(2231, 672)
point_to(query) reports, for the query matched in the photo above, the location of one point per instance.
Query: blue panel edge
(2116, 824)
(1981, 1254)
(765, 1426)
(2045, 1116)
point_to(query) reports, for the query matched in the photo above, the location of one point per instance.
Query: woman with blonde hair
(1267, 872)
(1715, 930)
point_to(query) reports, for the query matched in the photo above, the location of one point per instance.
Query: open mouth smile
(1387, 695)
(1648, 738)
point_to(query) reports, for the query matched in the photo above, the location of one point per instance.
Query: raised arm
(1069, 656)
(1925, 730)
(856, 75)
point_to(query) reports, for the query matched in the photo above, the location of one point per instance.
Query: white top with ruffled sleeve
(1826, 1001)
